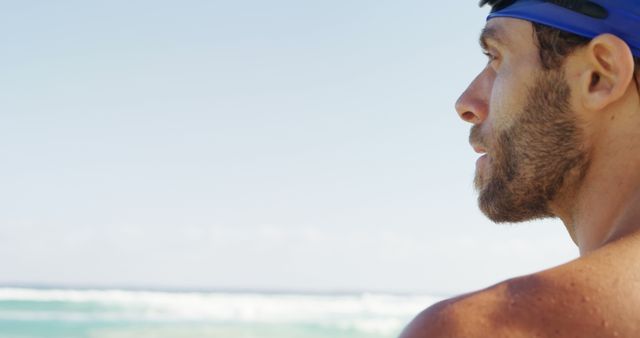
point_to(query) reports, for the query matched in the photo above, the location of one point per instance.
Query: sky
(263, 145)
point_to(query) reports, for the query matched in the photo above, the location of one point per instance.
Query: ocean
(66, 313)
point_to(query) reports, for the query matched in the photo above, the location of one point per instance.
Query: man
(556, 113)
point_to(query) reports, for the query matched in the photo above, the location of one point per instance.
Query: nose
(473, 105)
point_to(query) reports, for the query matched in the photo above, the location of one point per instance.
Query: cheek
(500, 104)
(507, 100)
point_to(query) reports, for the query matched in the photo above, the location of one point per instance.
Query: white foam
(371, 313)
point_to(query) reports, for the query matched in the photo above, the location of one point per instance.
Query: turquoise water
(121, 314)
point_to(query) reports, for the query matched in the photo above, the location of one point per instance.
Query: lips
(482, 160)
(476, 140)
(479, 149)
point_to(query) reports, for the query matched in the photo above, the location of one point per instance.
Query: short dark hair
(555, 45)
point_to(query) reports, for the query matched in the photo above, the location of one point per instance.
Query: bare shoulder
(486, 313)
(594, 296)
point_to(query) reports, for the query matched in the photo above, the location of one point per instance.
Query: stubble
(530, 161)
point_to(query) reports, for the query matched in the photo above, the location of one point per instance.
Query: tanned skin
(598, 294)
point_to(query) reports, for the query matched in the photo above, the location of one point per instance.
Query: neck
(604, 211)
(605, 206)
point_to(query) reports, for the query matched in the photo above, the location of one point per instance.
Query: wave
(369, 312)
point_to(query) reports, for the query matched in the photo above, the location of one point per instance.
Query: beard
(533, 160)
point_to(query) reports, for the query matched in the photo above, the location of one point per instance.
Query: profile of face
(524, 122)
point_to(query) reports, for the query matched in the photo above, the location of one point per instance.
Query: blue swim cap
(582, 17)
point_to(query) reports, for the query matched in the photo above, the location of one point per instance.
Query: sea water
(127, 314)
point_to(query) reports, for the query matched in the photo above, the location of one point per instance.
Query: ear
(608, 73)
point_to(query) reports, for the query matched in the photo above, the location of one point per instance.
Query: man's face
(524, 123)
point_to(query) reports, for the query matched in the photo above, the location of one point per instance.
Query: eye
(490, 56)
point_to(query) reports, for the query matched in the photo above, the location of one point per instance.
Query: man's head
(530, 108)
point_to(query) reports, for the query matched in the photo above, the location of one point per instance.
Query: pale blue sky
(247, 144)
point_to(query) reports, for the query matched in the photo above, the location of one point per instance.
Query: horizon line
(230, 290)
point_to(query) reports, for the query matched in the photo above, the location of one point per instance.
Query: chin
(498, 201)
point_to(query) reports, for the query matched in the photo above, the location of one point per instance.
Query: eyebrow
(491, 34)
